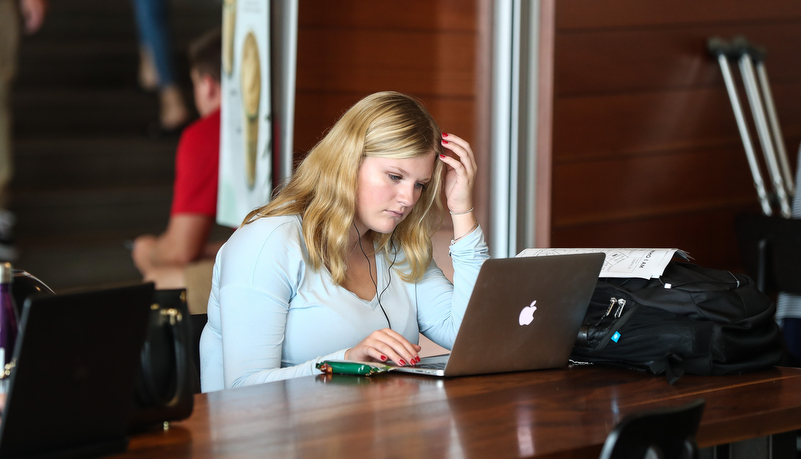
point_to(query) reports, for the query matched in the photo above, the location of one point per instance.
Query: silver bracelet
(462, 213)
(454, 240)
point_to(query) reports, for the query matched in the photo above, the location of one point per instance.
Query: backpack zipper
(621, 304)
(612, 303)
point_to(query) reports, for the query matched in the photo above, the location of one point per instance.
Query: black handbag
(167, 380)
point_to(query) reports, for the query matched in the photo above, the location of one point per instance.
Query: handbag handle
(175, 319)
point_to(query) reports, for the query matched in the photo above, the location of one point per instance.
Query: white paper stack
(642, 263)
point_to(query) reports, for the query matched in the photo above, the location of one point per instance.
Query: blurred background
(92, 169)
(637, 143)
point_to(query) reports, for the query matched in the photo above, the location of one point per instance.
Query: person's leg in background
(7, 219)
(9, 41)
(156, 62)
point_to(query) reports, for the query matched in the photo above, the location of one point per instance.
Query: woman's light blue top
(271, 316)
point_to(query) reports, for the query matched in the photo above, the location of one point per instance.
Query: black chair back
(771, 251)
(197, 322)
(670, 432)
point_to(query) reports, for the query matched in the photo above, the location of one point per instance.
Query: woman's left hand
(460, 173)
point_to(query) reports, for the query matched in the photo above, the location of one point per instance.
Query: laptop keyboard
(431, 366)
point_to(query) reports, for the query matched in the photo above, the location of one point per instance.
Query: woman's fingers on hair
(452, 139)
(453, 162)
(463, 168)
(459, 163)
(464, 155)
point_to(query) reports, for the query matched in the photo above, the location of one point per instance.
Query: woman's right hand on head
(385, 345)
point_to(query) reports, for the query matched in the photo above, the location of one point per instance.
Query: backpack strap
(615, 327)
(672, 365)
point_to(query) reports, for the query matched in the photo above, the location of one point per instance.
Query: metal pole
(778, 139)
(501, 141)
(515, 127)
(716, 48)
(527, 157)
(749, 81)
(283, 56)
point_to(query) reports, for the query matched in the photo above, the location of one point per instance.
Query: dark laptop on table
(76, 360)
(524, 314)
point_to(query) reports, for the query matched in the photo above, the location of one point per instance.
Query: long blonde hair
(323, 188)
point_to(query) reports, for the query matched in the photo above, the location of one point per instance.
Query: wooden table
(553, 413)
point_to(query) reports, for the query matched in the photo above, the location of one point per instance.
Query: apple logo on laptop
(527, 314)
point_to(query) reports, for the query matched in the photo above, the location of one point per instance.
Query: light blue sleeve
(440, 304)
(259, 275)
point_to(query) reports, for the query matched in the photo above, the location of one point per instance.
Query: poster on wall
(246, 131)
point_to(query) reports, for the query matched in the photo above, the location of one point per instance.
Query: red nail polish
(402, 362)
(444, 134)
(417, 359)
(444, 141)
(383, 358)
(441, 156)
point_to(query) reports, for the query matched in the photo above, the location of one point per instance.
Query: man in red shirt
(163, 259)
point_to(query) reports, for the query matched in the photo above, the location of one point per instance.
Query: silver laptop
(524, 314)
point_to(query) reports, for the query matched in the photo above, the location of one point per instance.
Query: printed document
(642, 263)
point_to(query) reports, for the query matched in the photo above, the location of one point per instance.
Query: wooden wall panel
(640, 122)
(438, 16)
(419, 62)
(433, 50)
(646, 151)
(649, 185)
(650, 59)
(582, 14)
(349, 49)
(689, 231)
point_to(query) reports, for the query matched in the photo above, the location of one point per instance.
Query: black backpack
(691, 320)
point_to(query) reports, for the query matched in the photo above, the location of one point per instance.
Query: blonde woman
(339, 265)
